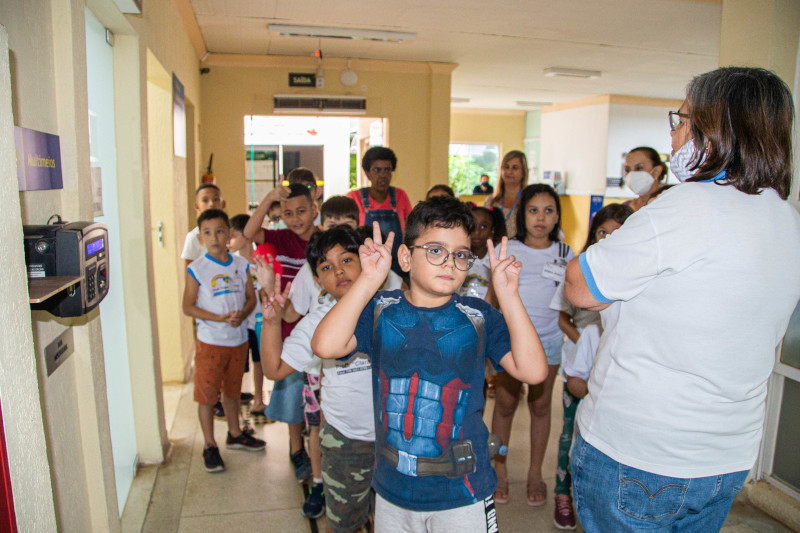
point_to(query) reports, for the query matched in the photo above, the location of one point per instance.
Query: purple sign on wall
(38, 160)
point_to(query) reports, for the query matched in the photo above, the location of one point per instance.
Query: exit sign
(299, 79)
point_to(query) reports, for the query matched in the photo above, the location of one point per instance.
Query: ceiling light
(355, 34)
(459, 100)
(526, 103)
(552, 72)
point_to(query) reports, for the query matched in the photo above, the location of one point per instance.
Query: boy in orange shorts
(219, 294)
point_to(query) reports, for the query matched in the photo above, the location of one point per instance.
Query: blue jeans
(610, 496)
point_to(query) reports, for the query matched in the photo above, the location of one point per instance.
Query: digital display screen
(94, 247)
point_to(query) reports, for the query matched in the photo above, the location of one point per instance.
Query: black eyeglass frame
(427, 247)
(673, 124)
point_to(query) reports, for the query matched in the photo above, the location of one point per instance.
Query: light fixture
(328, 32)
(527, 103)
(348, 77)
(552, 72)
(459, 100)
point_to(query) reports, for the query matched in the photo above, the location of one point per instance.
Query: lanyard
(720, 176)
(503, 202)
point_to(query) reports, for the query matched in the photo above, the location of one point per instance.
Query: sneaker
(314, 506)
(302, 465)
(219, 412)
(246, 397)
(565, 516)
(247, 428)
(245, 442)
(212, 461)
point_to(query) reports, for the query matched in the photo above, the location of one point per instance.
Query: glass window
(785, 466)
(260, 172)
(467, 163)
(790, 353)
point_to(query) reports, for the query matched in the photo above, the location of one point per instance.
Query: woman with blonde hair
(512, 178)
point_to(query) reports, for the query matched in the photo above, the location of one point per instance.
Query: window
(468, 161)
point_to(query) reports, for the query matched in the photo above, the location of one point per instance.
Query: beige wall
(414, 97)
(57, 427)
(486, 126)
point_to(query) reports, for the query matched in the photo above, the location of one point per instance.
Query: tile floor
(258, 491)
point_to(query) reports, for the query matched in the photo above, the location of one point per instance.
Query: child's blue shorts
(286, 400)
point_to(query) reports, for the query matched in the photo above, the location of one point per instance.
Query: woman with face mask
(644, 174)
(705, 280)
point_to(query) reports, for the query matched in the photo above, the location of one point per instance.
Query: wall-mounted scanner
(69, 249)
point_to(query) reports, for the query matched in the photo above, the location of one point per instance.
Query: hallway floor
(258, 491)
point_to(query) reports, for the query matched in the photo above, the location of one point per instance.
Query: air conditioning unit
(295, 104)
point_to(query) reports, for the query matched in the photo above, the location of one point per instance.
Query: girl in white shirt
(544, 259)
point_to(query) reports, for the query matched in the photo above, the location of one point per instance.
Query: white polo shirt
(708, 277)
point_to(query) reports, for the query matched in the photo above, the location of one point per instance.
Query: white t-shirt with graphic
(221, 290)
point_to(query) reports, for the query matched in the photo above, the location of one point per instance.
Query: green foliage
(353, 171)
(465, 170)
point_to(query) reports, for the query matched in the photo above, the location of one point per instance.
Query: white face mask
(682, 160)
(639, 181)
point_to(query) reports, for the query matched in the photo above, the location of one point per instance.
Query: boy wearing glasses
(427, 347)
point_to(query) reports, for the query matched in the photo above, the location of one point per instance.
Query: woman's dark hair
(438, 212)
(378, 153)
(495, 214)
(655, 159)
(323, 242)
(527, 193)
(238, 222)
(742, 123)
(617, 212)
(441, 187)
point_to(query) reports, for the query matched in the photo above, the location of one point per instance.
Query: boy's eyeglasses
(438, 255)
(675, 119)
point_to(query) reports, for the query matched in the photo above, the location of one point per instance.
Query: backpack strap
(393, 198)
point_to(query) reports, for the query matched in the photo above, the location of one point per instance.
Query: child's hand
(265, 274)
(273, 305)
(376, 256)
(505, 270)
(233, 318)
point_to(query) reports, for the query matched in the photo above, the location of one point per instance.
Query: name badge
(554, 271)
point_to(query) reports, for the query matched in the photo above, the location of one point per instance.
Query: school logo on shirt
(222, 284)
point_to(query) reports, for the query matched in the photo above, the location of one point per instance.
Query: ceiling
(642, 47)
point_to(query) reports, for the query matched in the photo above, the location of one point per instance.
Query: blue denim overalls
(388, 220)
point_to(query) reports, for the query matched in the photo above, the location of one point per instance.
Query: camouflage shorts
(347, 466)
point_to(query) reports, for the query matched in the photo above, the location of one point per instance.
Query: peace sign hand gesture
(376, 256)
(505, 270)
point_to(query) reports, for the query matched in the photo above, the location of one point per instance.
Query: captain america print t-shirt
(427, 377)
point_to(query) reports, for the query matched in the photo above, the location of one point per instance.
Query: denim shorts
(610, 496)
(286, 400)
(552, 349)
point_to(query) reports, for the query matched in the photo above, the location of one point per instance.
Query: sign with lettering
(299, 79)
(38, 160)
(57, 351)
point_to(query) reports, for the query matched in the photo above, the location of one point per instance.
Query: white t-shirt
(221, 290)
(346, 387)
(306, 293)
(192, 247)
(478, 276)
(581, 318)
(536, 290)
(708, 277)
(251, 319)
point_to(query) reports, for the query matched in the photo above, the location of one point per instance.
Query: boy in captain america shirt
(427, 347)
